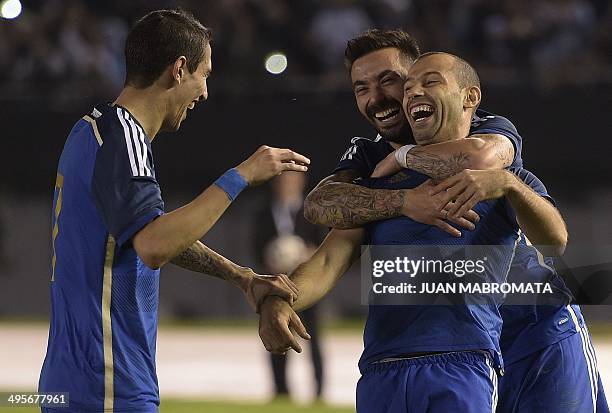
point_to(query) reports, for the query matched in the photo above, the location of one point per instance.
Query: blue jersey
(395, 331)
(527, 328)
(104, 300)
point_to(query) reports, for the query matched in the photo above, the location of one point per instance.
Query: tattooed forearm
(343, 206)
(200, 258)
(438, 167)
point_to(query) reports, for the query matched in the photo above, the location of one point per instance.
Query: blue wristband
(232, 183)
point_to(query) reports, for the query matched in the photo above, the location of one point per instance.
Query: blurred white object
(276, 63)
(285, 252)
(10, 9)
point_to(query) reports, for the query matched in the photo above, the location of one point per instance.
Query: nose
(409, 94)
(204, 94)
(377, 95)
(412, 92)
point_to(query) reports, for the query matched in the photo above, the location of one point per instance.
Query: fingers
(469, 204)
(289, 156)
(290, 339)
(274, 327)
(460, 202)
(282, 291)
(444, 185)
(288, 166)
(445, 226)
(264, 286)
(462, 222)
(296, 324)
(289, 284)
(455, 192)
(471, 216)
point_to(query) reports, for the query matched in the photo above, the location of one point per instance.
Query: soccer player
(111, 233)
(533, 334)
(530, 332)
(427, 358)
(533, 326)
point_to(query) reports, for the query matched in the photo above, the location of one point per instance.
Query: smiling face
(378, 80)
(189, 90)
(437, 107)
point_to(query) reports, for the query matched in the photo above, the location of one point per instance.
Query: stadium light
(276, 63)
(10, 9)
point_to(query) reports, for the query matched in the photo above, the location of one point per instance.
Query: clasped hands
(272, 297)
(450, 200)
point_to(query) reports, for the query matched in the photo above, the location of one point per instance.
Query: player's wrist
(245, 173)
(270, 302)
(243, 278)
(407, 202)
(511, 183)
(401, 155)
(232, 182)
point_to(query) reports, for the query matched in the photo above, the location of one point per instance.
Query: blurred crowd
(76, 47)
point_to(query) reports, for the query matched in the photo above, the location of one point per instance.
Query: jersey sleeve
(124, 187)
(355, 158)
(494, 124)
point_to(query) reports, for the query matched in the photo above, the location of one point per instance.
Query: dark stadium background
(546, 65)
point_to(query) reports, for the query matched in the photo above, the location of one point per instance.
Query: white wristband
(400, 155)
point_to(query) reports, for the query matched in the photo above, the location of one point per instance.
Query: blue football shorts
(463, 381)
(562, 377)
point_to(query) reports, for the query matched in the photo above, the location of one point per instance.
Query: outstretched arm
(442, 160)
(170, 234)
(315, 278)
(255, 287)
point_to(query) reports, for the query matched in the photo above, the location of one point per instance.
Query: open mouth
(191, 105)
(421, 112)
(387, 114)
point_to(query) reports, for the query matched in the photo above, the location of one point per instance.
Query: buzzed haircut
(375, 39)
(158, 39)
(464, 72)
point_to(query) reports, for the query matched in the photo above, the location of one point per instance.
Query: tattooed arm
(341, 205)
(345, 206)
(442, 160)
(200, 258)
(256, 288)
(337, 203)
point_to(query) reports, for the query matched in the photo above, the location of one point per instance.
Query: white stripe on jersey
(349, 153)
(145, 151)
(128, 141)
(593, 361)
(591, 367)
(493, 378)
(353, 149)
(137, 144)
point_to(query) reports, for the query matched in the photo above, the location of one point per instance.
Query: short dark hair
(375, 39)
(158, 39)
(464, 72)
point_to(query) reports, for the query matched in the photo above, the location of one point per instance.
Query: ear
(178, 69)
(472, 97)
